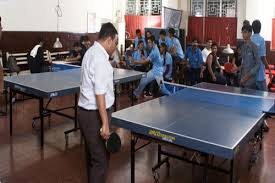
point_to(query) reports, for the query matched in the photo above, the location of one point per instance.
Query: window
(214, 8)
(143, 7)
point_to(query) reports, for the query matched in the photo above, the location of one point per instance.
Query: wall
(40, 15)
(241, 14)
(264, 11)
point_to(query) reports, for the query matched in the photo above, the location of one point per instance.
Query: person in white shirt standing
(207, 50)
(95, 102)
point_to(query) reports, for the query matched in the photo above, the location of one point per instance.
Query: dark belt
(110, 108)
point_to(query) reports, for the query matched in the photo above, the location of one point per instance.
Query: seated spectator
(167, 62)
(85, 45)
(75, 53)
(116, 60)
(207, 50)
(232, 78)
(148, 34)
(164, 39)
(36, 59)
(129, 54)
(139, 55)
(213, 72)
(138, 38)
(193, 58)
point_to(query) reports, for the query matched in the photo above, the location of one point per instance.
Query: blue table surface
(208, 117)
(67, 77)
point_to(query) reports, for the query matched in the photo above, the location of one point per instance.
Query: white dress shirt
(205, 52)
(96, 78)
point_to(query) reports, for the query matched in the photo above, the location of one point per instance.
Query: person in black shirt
(85, 45)
(36, 59)
(213, 72)
(75, 53)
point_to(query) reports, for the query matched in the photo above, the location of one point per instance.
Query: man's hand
(105, 132)
(234, 69)
(214, 78)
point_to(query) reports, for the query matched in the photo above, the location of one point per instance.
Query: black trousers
(97, 156)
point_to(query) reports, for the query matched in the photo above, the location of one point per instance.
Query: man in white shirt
(95, 102)
(207, 50)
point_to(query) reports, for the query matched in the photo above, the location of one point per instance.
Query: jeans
(150, 77)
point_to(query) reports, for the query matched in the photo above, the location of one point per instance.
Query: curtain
(195, 29)
(134, 22)
(223, 30)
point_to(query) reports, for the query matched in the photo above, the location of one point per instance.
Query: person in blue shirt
(139, 55)
(164, 39)
(167, 62)
(261, 78)
(260, 42)
(176, 51)
(193, 58)
(138, 38)
(156, 73)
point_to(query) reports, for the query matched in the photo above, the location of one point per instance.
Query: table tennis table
(210, 119)
(64, 80)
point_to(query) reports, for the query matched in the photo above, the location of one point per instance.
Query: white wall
(39, 15)
(170, 3)
(241, 16)
(264, 11)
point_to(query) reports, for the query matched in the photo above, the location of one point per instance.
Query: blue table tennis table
(64, 80)
(211, 119)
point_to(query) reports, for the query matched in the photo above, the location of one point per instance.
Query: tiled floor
(22, 160)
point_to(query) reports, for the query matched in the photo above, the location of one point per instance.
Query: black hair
(138, 31)
(139, 42)
(84, 38)
(152, 38)
(256, 26)
(246, 22)
(107, 30)
(76, 44)
(247, 28)
(214, 44)
(162, 32)
(172, 31)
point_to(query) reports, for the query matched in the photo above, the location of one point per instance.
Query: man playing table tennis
(95, 101)
(251, 60)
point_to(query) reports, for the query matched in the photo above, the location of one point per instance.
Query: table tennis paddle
(228, 67)
(113, 143)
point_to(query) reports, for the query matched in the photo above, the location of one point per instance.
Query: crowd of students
(164, 59)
